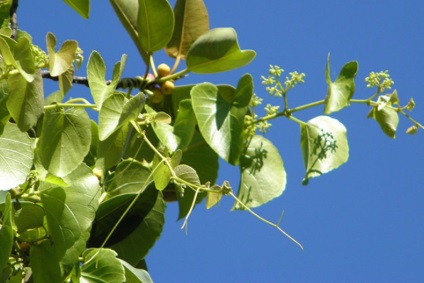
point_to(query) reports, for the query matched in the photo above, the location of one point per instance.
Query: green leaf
(161, 173)
(191, 21)
(155, 24)
(29, 217)
(16, 155)
(4, 112)
(213, 197)
(19, 55)
(185, 123)
(82, 7)
(111, 210)
(61, 61)
(341, 90)
(118, 111)
(136, 246)
(90, 158)
(101, 265)
(127, 12)
(135, 275)
(130, 177)
(6, 233)
(25, 102)
(65, 140)
(70, 212)
(45, 265)
(110, 150)
(387, 118)
(217, 51)
(260, 161)
(220, 115)
(186, 197)
(96, 73)
(324, 146)
(5, 7)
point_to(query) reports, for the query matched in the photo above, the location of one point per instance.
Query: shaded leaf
(217, 51)
(16, 155)
(155, 24)
(6, 233)
(260, 161)
(110, 150)
(135, 275)
(191, 21)
(101, 265)
(25, 102)
(220, 112)
(324, 146)
(29, 217)
(130, 177)
(341, 90)
(45, 265)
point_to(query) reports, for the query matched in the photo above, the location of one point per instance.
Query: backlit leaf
(61, 61)
(82, 7)
(101, 265)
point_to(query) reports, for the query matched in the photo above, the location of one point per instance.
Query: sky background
(360, 223)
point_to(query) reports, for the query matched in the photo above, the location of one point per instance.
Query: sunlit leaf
(82, 7)
(101, 265)
(217, 51)
(25, 102)
(213, 197)
(61, 61)
(191, 21)
(220, 112)
(130, 177)
(387, 118)
(109, 152)
(186, 197)
(324, 146)
(260, 161)
(341, 90)
(155, 24)
(16, 155)
(127, 12)
(135, 275)
(65, 140)
(96, 73)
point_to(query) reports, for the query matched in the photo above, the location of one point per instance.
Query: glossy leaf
(45, 265)
(136, 246)
(82, 7)
(260, 161)
(96, 73)
(101, 265)
(341, 90)
(65, 140)
(17, 157)
(324, 146)
(25, 102)
(135, 275)
(111, 210)
(191, 21)
(127, 12)
(220, 112)
(70, 212)
(61, 61)
(217, 51)
(155, 24)
(118, 111)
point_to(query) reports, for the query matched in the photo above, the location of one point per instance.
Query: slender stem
(185, 224)
(66, 105)
(411, 119)
(175, 76)
(306, 106)
(176, 63)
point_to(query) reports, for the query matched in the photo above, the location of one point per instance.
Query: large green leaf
(16, 155)
(186, 197)
(217, 51)
(191, 21)
(130, 177)
(96, 73)
(110, 150)
(70, 212)
(341, 90)
(65, 140)
(19, 55)
(387, 117)
(82, 7)
(25, 102)
(135, 275)
(101, 265)
(118, 111)
(136, 246)
(45, 265)
(61, 61)
(111, 210)
(220, 112)
(324, 146)
(155, 24)
(127, 12)
(263, 176)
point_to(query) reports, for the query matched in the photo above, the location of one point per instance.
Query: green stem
(306, 106)
(175, 76)
(66, 105)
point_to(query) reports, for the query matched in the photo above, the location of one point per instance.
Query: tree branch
(14, 18)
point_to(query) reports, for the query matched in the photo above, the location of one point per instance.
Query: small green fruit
(163, 70)
(167, 87)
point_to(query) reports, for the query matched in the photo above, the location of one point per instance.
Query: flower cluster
(381, 80)
(295, 78)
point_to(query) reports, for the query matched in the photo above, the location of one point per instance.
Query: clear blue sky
(360, 223)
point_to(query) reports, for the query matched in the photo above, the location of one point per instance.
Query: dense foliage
(82, 199)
